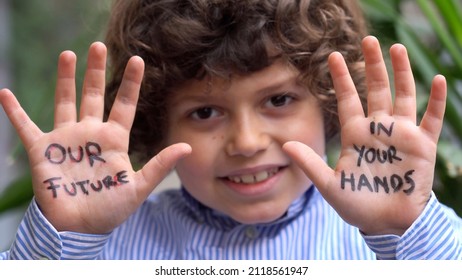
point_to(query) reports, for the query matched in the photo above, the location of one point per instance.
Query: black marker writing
(49, 151)
(93, 155)
(79, 157)
(378, 127)
(57, 154)
(393, 182)
(84, 186)
(371, 155)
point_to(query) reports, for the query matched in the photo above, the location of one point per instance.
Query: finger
(348, 102)
(160, 166)
(311, 163)
(405, 92)
(25, 127)
(92, 104)
(432, 120)
(65, 110)
(378, 85)
(124, 107)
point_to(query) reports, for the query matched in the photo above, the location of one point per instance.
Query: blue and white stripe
(173, 225)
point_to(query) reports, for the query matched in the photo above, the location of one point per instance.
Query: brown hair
(181, 40)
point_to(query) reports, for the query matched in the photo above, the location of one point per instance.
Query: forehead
(278, 75)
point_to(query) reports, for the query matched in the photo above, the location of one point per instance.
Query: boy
(240, 98)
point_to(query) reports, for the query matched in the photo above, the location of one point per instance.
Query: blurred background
(34, 32)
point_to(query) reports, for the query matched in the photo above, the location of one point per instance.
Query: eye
(204, 113)
(280, 100)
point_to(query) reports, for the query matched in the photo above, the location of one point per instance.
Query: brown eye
(204, 113)
(280, 100)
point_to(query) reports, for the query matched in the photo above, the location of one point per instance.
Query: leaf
(452, 158)
(18, 193)
(441, 31)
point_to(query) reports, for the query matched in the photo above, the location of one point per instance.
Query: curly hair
(181, 40)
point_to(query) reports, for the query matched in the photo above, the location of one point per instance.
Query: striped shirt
(173, 225)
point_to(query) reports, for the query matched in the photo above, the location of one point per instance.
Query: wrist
(396, 222)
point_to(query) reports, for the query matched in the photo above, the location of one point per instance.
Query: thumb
(311, 163)
(156, 169)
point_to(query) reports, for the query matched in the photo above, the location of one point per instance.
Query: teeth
(248, 179)
(253, 178)
(260, 176)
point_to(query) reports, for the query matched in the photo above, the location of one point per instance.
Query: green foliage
(17, 194)
(432, 32)
(42, 29)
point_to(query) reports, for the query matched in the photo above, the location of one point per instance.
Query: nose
(247, 136)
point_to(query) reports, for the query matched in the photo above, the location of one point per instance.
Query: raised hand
(384, 176)
(83, 180)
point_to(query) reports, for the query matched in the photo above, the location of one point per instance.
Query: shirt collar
(204, 214)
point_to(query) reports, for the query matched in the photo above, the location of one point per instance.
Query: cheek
(191, 178)
(309, 130)
(196, 174)
(199, 165)
(315, 139)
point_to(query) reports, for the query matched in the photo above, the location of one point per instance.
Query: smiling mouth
(254, 178)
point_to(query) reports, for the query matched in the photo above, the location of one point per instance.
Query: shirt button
(251, 232)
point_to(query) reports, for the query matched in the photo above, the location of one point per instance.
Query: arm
(37, 239)
(436, 234)
(383, 179)
(83, 180)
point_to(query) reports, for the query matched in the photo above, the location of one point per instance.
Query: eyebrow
(288, 81)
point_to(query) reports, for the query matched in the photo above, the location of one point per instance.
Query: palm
(82, 176)
(380, 173)
(71, 176)
(384, 175)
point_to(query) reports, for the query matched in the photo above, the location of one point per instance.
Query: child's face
(236, 130)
